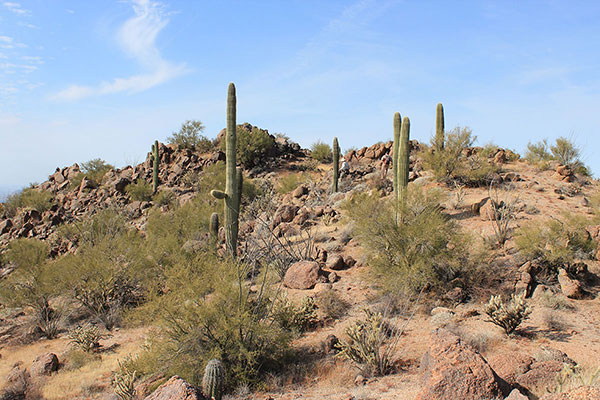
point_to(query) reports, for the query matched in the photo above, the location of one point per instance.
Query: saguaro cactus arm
(403, 160)
(395, 151)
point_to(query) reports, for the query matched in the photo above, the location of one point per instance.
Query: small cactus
(212, 382)
(439, 127)
(396, 151)
(155, 162)
(233, 184)
(403, 160)
(336, 165)
(214, 227)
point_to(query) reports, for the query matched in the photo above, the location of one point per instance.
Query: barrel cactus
(212, 382)
(439, 127)
(233, 184)
(336, 165)
(155, 165)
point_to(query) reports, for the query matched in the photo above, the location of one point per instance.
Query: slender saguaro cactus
(395, 151)
(212, 382)
(439, 127)
(156, 162)
(214, 227)
(233, 184)
(336, 165)
(403, 160)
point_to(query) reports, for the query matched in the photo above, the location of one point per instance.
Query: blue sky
(86, 79)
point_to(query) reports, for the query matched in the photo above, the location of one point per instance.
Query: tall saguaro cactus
(395, 151)
(233, 184)
(156, 162)
(439, 127)
(212, 382)
(336, 165)
(403, 160)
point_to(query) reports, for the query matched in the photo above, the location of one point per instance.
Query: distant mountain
(7, 190)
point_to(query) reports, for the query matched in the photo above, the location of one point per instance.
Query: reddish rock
(336, 262)
(44, 364)
(300, 191)
(510, 365)
(580, 393)
(176, 389)
(454, 370)
(349, 261)
(516, 395)
(285, 213)
(302, 275)
(500, 157)
(540, 374)
(476, 207)
(570, 287)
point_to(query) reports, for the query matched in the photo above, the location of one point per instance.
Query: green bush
(214, 314)
(321, 152)
(538, 153)
(253, 146)
(95, 170)
(455, 163)
(425, 249)
(564, 151)
(33, 198)
(189, 137)
(31, 284)
(556, 242)
(163, 198)
(289, 182)
(331, 305)
(297, 318)
(139, 191)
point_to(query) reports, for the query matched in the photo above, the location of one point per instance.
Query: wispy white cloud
(137, 39)
(16, 8)
(69, 11)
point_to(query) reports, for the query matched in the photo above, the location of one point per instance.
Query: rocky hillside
(438, 342)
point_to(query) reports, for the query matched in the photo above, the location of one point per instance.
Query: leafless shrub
(504, 200)
(459, 195)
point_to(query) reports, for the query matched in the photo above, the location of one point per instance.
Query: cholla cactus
(124, 382)
(212, 382)
(366, 338)
(86, 337)
(507, 315)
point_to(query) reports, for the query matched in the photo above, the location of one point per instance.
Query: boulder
(570, 287)
(580, 393)
(500, 157)
(516, 395)
(285, 213)
(176, 389)
(349, 261)
(302, 275)
(44, 364)
(510, 365)
(5, 226)
(454, 370)
(540, 374)
(476, 207)
(329, 344)
(335, 262)
(300, 191)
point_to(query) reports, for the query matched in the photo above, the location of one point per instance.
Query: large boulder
(176, 389)
(580, 393)
(44, 364)
(302, 275)
(510, 365)
(570, 287)
(541, 374)
(285, 213)
(454, 370)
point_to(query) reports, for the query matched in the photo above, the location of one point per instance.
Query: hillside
(145, 269)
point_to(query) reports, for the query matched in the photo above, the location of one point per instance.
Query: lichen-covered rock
(176, 389)
(454, 370)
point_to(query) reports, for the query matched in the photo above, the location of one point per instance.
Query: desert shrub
(139, 191)
(538, 153)
(488, 150)
(31, 283)
(289, 182)
(505, 206)
(253, 146)
(189, 137)
(424, 249)
(297, 318)
(555, 242)
(574, 376)
(31, 197)
(507, 315)
(163, 198)
(86, 338)
(95, 170)
(331, 305)
(109, 271)
(321, 152)
(370, 344)
(567, 153)
(455, 163)
(214, 314)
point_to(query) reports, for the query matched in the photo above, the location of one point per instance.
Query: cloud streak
(16, 8)
(137, 39)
